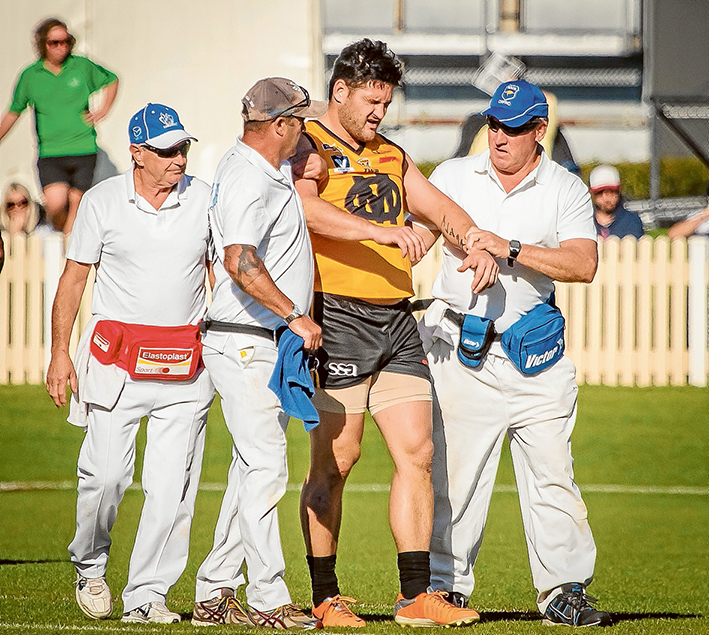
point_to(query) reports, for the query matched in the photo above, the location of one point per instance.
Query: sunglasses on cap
(12, 204)
(169, 153)
(494, 125)
(304, 103)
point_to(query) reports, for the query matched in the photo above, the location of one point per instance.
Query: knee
(326, 479)
(417, 456)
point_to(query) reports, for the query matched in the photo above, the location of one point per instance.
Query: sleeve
(97, 76)
(306, 146)
(576, 212)
(21, 97)
(86, 241)
(244, 218)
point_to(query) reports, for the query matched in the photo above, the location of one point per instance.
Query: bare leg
(406, 428)
(74, 200)
(56, 202)
(334, 450)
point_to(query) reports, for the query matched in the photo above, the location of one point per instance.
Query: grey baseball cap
(275, 97)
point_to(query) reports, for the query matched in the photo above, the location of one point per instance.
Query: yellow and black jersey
(367, 181)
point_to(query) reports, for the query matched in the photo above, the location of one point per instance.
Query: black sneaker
(572, 607)
(457, 599)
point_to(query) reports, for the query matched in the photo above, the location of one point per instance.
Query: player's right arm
(64, 310)
(330, 221)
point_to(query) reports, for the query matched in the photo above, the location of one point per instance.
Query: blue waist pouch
(535, 342)
(476, 335)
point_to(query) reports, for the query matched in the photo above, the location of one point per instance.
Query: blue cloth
(624, 223)
(291, 380)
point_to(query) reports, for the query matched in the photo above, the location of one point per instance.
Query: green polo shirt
(59, 101)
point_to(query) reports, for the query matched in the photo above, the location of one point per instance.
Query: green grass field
(641, 461)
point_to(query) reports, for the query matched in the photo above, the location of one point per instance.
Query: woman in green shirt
(57, 87)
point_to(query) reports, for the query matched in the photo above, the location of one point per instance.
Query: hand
(485, 268)
(480, 239)
(92, 118)
(405, 238)
(315, 167)
(309, 331)
(59, 372)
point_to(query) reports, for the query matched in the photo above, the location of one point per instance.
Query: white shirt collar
(257, 159)
(177, 194)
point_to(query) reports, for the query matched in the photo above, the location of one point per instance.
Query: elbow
(588, 272)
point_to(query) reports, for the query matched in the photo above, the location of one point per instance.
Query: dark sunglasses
(304, 103)
(170, 153)
(495, 125)
(58, 42)
(12, 205)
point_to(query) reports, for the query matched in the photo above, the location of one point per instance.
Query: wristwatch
(515, 247)
(294, 314)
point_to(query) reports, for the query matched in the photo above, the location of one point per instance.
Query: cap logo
(508, 95)
(166, 119)
(137, 131)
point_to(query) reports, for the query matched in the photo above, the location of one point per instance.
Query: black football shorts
(76, 171)
(361, 338)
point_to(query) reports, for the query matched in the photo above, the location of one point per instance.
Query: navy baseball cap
(515, 103)
(158, 126)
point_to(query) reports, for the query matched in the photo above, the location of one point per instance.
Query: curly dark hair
(365, 61)
(40, 36)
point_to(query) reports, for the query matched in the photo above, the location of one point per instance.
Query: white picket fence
(643, 320)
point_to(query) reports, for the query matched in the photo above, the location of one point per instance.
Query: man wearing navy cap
(139, 356)
(497, 360)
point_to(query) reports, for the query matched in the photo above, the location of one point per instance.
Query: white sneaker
(155, 612)
(93, 596)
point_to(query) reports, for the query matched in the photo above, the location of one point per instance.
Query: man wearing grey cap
(139, 357)
(263, 266)
(498, 366)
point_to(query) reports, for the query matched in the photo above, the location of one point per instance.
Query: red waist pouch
(170, 353)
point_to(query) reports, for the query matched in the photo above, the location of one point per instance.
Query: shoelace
(440, 601)
(578, 599)
(341, 604)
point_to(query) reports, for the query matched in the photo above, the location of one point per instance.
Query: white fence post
(697, 311)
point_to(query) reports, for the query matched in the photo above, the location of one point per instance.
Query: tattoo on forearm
(450, 233)
(249, 266)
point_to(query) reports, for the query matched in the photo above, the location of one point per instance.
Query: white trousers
(247, 528)
(177, 416)
(473, 410)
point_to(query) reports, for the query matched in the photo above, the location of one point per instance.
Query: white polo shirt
(150, 263)
(255, 204)
(549, 206)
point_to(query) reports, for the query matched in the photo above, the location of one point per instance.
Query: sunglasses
(169, 153)
(494, 125)
(58, 42)
(12, 205)
(304, 103)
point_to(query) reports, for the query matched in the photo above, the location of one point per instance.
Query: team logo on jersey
(332, 147)
(387, 159)
(508, 95)
(166, 119)
(376, 198)
(368, 169)
(342, 163)
(75, 82)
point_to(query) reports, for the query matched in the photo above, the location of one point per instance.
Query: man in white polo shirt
(146, 232)
(536, 219)
(263, 266)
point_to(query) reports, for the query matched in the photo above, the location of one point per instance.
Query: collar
(177, 194)
(257, 160)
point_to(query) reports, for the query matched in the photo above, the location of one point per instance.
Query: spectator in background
(58, 86)
(18, 212)
(610, 216)
(695, 225)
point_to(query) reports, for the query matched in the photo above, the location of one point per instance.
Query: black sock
(323, 578)
(414, 573)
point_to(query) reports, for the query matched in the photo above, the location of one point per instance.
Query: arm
(109, 96)
(247, 270)
(685, 228)
(330, 221)
(8, 120)
(428, 203)
(2, 254)
(574, 260)
(66, 305)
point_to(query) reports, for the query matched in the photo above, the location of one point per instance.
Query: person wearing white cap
(263, 267)
(610, 216)
(139, 356)
(498, 366)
